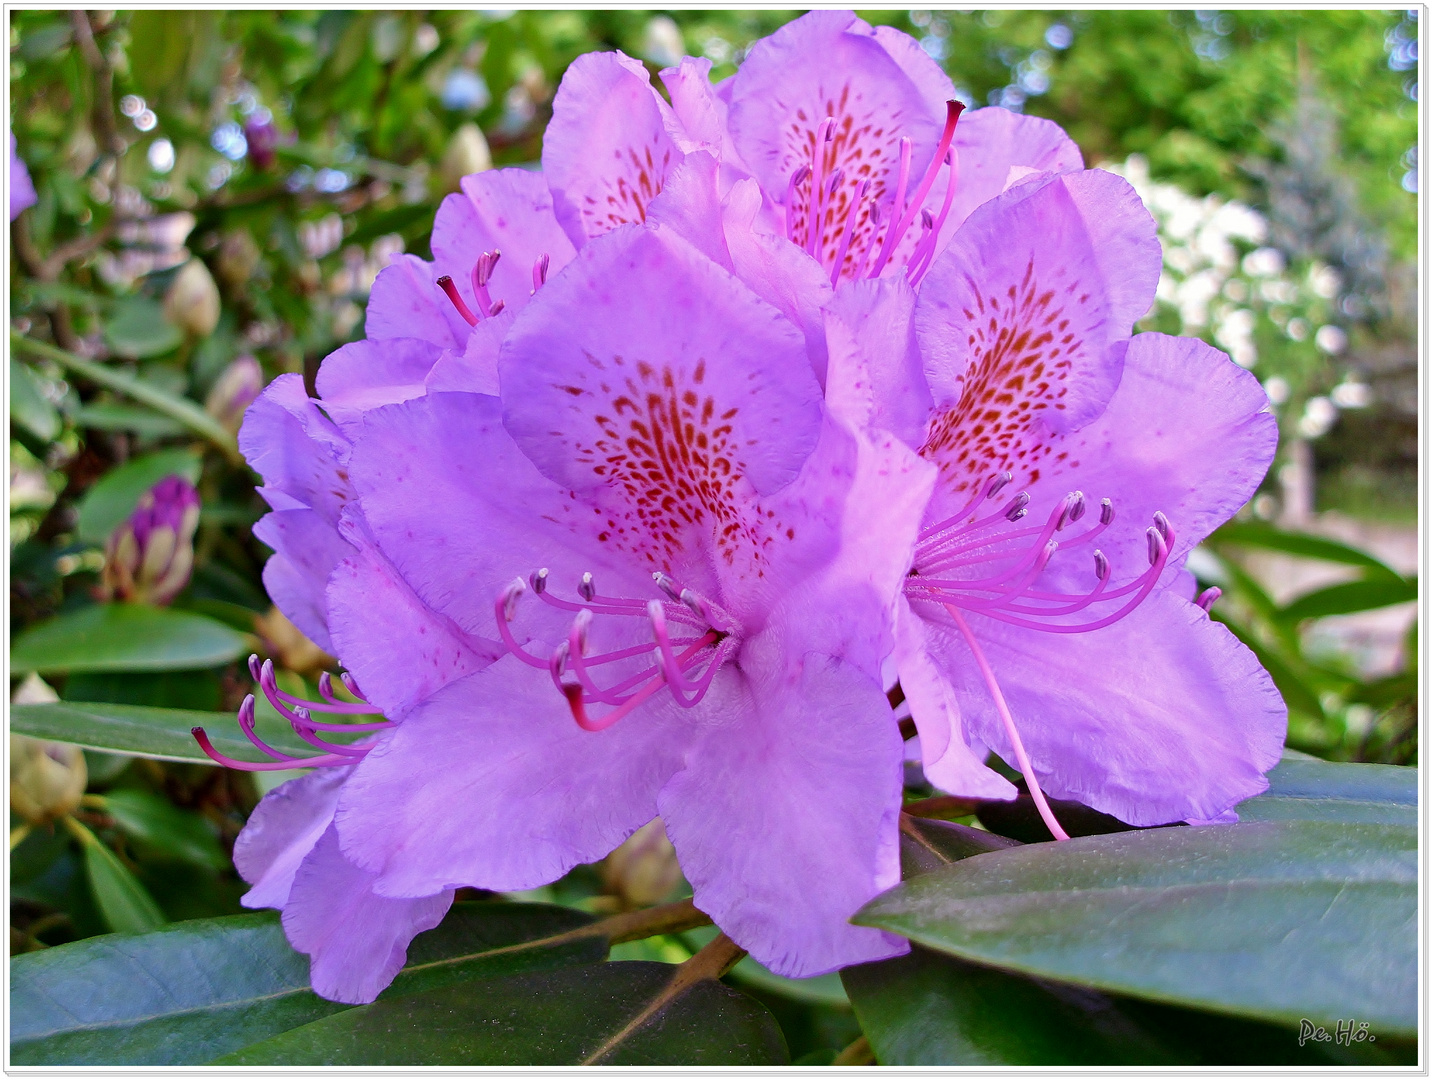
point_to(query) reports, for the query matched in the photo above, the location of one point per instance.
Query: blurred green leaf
(1349, 597)
(125, 904)
(125, 637)
(137, 328)
(1270, 920)
(1290, 683)
(196, 990)
(155, 821)
(147, 731)
(114, 496)
(561, 1017)
(182, 409)
(145, 422)
(28, 405)
(1267, 537)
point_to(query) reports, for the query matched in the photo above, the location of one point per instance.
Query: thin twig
(104, 117)
(857, 1053)
(719, 956)
(181, 409)
(941, 806)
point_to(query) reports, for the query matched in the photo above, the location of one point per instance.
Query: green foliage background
(369, 110)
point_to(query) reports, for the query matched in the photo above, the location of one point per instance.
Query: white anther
(587, 588)
(1162, 525)
(666, 585)
(1101, 566)
(1106, 512)
(580, 624)
(539, 581)
(509, 598)
(691, 600)
(1157, 548)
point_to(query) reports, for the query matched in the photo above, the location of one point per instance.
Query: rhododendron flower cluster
(639, 497)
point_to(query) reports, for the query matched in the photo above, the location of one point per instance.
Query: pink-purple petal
(357, 941)
(491, 783)
(281, 832)
(785, 816)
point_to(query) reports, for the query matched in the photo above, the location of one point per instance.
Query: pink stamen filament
(576, 692)
(1008, 719)
(280, 701)
(855, 204)
(896, 209)
(817, 185)
(926, 256)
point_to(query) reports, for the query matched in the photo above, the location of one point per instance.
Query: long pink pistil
(1035, 792)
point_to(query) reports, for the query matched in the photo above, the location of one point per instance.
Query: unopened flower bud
(47, 779)
(192, 302)
(149, 557)
(238, 258)
(644, 870)
(233, 391)
(467, 153)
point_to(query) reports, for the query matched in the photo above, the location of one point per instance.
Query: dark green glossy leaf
(126, 637)
(1349, 597)
(28, 405)
(1270, 920)
(158, 823)
(927, 845)
(1254, 534)
(1336, 791)
(156, 733)
(115, 495)
(562, 1017)
(929, 1009)
(196, 990)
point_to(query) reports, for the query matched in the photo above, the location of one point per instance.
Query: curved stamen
(202, 738)
(246, 718)
(1208, 597)
(539, 272)
(1010, 730)
(817, 184)
(988, 490)
(504, 608)
(304, 731)
(445, 283)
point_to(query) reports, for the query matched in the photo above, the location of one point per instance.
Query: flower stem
(635, 925)
(857, 1053)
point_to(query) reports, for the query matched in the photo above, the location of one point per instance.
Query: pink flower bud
(148, 559)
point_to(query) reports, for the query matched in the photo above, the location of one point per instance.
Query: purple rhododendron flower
(642, 580)
(1091, 666)
(631, 496)
(22, 188)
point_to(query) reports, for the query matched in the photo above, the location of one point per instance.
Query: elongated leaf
(115, 495)
(1253, 534)
(141, 421)
(929, 1009)
(196, 990)
(1349, 597)
(126, 637)
(1271, 920)
(1336, 791)
(562, 1017)
(155, 821)
(125, 904)
(28, 405)
(150, 732)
